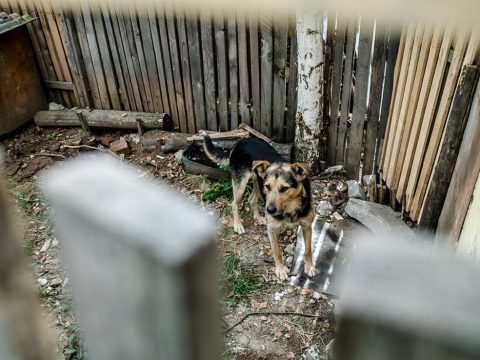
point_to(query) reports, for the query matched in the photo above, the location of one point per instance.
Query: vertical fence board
(176, 69)
(266, 73)
(429, 72)
(346, 90)
(336, 91)
(439, 124)
(429, 115)
(355, 138)
(222, 87)
(187, 84)
(279, 90)
(175, 108)
(292, 84)
(376, 89)
(196, 72)
(208, 68)
(244, 99)
(327, 81)
(159, 57)
(233, 70)
(255, 71)
(146, 40)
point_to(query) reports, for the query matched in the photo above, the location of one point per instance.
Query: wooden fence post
(22, 331)
(142, 263)
(408, 300)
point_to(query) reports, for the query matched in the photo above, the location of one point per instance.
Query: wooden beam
(59, 85)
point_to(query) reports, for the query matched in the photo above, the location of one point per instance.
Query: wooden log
(452, 139)
(104, 118)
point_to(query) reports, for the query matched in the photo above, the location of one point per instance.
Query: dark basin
(196, 162)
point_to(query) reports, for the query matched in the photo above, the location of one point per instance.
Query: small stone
(149, 144)
(334, 169)
(337, 216)
(46, 245)
(243, 340)
(55, 242)
(179, 156)
(289, 249)
(367, 178)
(55, 107)
(120, 146)
(42, 281)
(56, 282)
(314, 353)
(324, 209)
(355, 190)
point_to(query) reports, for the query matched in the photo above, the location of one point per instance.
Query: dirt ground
(269, 335)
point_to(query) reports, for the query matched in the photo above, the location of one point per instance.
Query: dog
(285, 187)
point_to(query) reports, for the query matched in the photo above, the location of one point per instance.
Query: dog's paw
(260, 220)
(282, 272)
(238, 228)
(310, 269)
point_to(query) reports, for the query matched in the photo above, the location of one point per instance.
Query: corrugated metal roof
(13, 21)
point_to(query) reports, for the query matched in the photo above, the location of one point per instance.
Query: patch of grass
(222, 187)
(230, 352)
(239, 279)
(75, 349)
(50, 136)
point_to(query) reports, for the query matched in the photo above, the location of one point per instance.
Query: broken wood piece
(226, 135)
(83, 121)
(255, 132)
(379, 219)
(140, 127)
(175, 144)
(92, 148)
(103, 119)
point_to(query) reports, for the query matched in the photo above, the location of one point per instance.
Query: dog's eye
(268, 187)
(283, 189)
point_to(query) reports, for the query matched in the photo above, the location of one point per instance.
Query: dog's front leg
(307, 238)
(273, 234)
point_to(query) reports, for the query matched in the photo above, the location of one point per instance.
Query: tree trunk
(310, 88)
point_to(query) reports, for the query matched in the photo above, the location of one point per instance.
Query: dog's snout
(271, 209)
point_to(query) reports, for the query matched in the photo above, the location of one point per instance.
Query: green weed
(239, 279)
(222, 187)
(50, 136)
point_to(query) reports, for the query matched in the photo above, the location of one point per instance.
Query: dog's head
(283, 186)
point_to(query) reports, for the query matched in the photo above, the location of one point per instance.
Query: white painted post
(142, 263)
(310, 87)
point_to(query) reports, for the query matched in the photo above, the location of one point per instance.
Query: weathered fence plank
(144, 277)
(292, 85)
(208, 68)
(362, 74)
(255, 71)
(454, 130)
(266, 66)
(244, 99)
(233, 69)
(222, 87)
(279, 89)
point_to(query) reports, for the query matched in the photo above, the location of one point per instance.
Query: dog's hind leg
(239, 184)
(253, 200)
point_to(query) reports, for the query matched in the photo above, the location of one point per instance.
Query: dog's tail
(215, 153)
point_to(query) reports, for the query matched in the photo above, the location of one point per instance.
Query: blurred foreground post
(408, 301)
(142, 262)
(23, 335)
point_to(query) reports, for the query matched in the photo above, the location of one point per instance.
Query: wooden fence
(208, 72)
(359, 74)
(428, 80)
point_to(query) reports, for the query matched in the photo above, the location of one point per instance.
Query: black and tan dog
(286, 188)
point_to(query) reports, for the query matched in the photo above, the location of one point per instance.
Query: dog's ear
(301, 170)
(260, 167)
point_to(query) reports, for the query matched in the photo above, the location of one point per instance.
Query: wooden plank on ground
(145, 39)
(346, 89)
(280, 28)
(464, 177)
(408, 104)
(185, 62)
(255, 70)
(159, 57)
(439, 123)
(355, 136)
(196, 71)
(244, 99)
(165, 50)
(339, 46)
(176, 69)
(266, 66)
(448, 152)
(292, 84)
(108, 71)
(116, 51)
(222, 87)
(402, 79)
(208, 68)
(233, 69)
(426, 83)
(392, 74)
(428, 118)
(376, 88)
